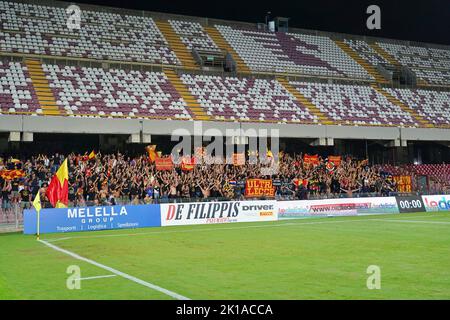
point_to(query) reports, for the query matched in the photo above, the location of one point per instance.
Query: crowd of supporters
(108, 179)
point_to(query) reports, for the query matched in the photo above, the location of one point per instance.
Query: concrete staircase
(192, 103)
(225, 46)
(323, 119)
(421, 120)
(181, 51)
(366, 65)
(384, 54)
(44, 93)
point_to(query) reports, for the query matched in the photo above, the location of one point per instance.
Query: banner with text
(337, 207)
(436, 203)
(218, 212)
(92, 218)
(259, 188)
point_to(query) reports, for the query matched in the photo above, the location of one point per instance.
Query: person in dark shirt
(25, 198)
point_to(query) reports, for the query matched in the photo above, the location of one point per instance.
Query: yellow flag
(37, 202)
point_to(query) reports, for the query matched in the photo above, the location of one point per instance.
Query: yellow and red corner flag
(58, 189)
(38, 207)
(37, 202)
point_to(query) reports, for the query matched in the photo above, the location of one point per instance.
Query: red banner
(187, 163)
(259, 188)
(164, 163)
(335, 159)
(311, 159)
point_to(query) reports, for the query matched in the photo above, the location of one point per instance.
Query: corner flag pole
(38, 226)
(37, 206)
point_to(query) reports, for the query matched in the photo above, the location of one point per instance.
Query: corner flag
(37, 206)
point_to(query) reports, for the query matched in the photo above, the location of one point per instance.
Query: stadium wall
(55, 124)
(177, 214)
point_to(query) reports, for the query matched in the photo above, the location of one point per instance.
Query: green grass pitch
(291, 259)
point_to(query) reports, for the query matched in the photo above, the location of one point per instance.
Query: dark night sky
(426, 20)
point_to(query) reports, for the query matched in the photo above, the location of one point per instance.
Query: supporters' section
(354, 104)
(34, 29)
(96, 92)
(246, 99)
(291, 53)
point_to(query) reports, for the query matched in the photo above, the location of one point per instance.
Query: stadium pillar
(319, 142)
(27, 137)
(14, 136)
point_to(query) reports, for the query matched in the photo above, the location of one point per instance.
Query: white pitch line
(201, 230)
(117, 272)
(414, 221)
(223, 228)
(99, 277)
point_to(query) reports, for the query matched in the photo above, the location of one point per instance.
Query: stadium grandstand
(96, 108)
(127, 79)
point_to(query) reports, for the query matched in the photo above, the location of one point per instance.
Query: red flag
(58, 189)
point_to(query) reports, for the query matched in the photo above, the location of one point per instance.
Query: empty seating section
(33, 29)
(17, 94)
(366, 52)
(42, 30)
(193, 35)
(354, 104)
(432, 105)
(430, 64)
(95, 92)
(292, 53)
(247, 99)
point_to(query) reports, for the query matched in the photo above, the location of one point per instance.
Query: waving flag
(12, 174)
(151, 150)
(58, 189)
